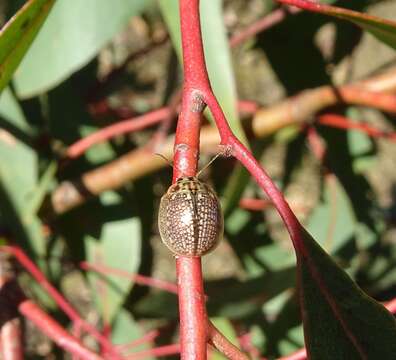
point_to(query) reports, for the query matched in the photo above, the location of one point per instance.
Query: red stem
(298, 355)
(262, 24)
(54, 331)
(137, 123)
(335, 11)
(122, 127)
(139, 279)
(157, 352)
(254, 204)
(316, 144)
(148, 337)
(221, 343)
(11, 347)
(77, 333)
(11, 339)
(196, 89)
(196, 81)
(34, 271)
(192, 312)
(391, 306)
(342, 122)
(228, 139)
(13, 299)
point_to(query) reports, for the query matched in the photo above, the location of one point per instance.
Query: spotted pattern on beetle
(190, 218)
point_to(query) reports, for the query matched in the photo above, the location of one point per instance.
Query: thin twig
(141, 162)
(342, 122)
(266, 22)
(221, 343)
(63, 304)
(139, 279)
(165, 350)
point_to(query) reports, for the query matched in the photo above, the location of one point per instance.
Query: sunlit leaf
(74, 33)
(118, 247)
(18, 176)
(333, 220)
(17, 35)
(125, 330)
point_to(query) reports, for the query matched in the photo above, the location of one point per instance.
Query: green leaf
(125, 329)
(340, 320)
(118, 247)
(18, 178)
(11, 116)
(217, 54)
(360, 145)
(74, 33)
(17, 35)
(333, 220)
(236, 185)
(384, 30)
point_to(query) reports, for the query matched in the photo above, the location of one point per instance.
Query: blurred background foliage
(56, 97)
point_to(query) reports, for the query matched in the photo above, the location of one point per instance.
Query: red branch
(148, 337)
(122, 127)
(391, 306)
(262, 24)
(221, 343)
(157, 352)
(139, 279)
(137, 123)
(11, 347)
(342, 122)
(11, 339)
(195, 71)
(336, 11)
(254, 204)
(192, 312)
(34, 271)
(196, 91)
(54, 331)
(229, 140)
(12, 298)
(316, 144)
(298, 355)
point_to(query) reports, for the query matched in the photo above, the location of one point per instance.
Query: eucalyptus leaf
(333, 220)
(73, 35)
(18, 34)
(125, 329)
(383, 29)
(340, 320)
(18, 178)
(118, 247)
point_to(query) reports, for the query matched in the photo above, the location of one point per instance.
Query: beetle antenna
(208, 164)
(166, 159)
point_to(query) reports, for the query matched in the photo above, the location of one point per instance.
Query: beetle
(190, 219)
